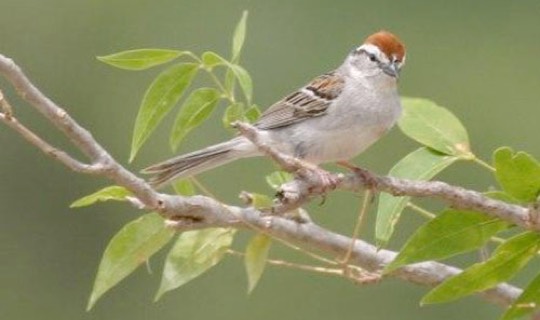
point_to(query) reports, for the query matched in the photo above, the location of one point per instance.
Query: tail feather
(199, 161)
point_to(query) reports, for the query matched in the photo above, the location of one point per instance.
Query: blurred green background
(478, 58)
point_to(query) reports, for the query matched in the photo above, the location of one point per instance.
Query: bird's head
(382, 53)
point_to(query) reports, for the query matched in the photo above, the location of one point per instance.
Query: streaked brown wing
(308, 102)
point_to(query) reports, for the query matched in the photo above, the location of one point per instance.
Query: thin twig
(359, 220)
(294, 265)
(48, 149)
(354, 273)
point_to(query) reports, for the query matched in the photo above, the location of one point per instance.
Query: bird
(333, 118)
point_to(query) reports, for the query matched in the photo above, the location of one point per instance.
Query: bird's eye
(372, 57)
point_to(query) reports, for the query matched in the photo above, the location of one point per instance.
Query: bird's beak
(391, 69)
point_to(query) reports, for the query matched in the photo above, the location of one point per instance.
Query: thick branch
(202, 212)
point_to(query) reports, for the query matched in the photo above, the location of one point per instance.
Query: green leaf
(184, 187)
(518, 173)
(505, 262)
(129, 248)
(194, 253)
(451, 232)
(108, 193)
(255, 259)
(421, 164)
(141, 59)
(244, 79)
(434, 127)
(197, 108)
(239, 37)
(277, 178)
(159, 99)
(238, 42)
(526, 303)
(211, 59)
(234, 112)
(252, 114)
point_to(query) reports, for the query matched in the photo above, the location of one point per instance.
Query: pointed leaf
(277, 178)
(238, 42)
(194, 253)
(244, 79)
(197, 108)
(211, 59)
(234, 112)
(141, 59)
(517, 173)
(421, 164)
(239, 37)
(255, 259)
(252, 114)
(159, 99)
(450, 233)
(526, 303)
(132, 246)
(184, 187)
(434, 127)
(108, 193)
(505, 262)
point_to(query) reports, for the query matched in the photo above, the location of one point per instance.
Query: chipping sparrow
(331, 119)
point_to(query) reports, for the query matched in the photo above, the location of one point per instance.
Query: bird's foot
(370, 181)
(322, 180)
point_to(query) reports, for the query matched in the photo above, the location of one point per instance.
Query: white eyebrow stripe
(369, 48)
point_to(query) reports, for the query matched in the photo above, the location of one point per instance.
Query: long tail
(199, 161)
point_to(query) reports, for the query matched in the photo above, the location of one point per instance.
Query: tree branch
(79, 136)
(311, 236)
(202, 212)
(299, 191)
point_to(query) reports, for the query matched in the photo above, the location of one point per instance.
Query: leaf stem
(228, 95)
(484, 164)
(423, 212)
(215, 79)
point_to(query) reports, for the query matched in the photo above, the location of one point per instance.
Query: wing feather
(310, 101)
